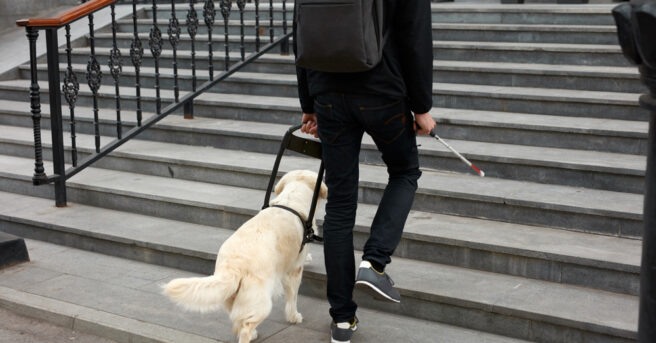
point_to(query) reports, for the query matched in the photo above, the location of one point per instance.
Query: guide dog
(251, 264)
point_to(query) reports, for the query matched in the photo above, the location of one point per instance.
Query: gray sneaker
(380, 285)
(342, 332)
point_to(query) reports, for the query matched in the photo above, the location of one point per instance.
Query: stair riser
(522, 18)
(414, 305)
(542, 57)
(521, 36)
(566, 140)
(448, 130)
(510, 78)
(537, 106)
(444, 161)
(514, 79)
(218, 29)
(439, 203)
(565, 37)
(467, 16)
(201, 45)
(437, 252)
(456, 100)
(249, 13)
(184, 62)
(564, 175)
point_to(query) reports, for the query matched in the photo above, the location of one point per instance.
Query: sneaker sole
(373, 290)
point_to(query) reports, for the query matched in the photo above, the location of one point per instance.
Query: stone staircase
(545, 249)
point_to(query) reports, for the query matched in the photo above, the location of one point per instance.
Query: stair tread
(204, 195)
(584, 308)
(533, 46)
(481, 151)
(522, 93)
(518, 237)
(150, 316)
(525, 27)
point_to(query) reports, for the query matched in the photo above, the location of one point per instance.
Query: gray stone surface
(100, 308)
(19, 329)
(582, 257)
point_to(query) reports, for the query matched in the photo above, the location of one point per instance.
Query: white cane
(480, 172)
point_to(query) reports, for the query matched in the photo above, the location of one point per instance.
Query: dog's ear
(281, 184)
(323, 193)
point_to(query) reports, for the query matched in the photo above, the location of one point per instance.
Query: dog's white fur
(260, 255)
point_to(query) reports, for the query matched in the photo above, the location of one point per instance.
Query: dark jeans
(342, 121)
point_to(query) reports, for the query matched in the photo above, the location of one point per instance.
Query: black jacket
(406, 70)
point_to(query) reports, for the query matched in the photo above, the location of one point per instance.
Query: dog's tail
(203, 294)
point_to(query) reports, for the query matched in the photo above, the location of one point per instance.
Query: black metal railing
(182, 99)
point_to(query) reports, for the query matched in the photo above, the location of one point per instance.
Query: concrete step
(628, 137)
(449, 13)
(523, 14)
(532, 33)
(611, 213)
(578, 77)
(572, 34)
(272, 62)
(543, 53)
(563, 102)
(610, 105)
(423, 237)
(575, 77)
(546, 53)
(153, 318)
(612, 171)
(473, 299)
(124, 41)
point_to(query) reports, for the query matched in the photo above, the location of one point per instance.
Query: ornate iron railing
(70, 86)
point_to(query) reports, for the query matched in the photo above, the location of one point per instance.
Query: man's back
(404, 72)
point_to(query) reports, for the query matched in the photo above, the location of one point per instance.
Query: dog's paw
(295, 318)
(308, 258)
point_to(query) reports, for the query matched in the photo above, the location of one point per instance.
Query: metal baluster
(209, 13)
(155, 43)
(136, 55)
(71, 88)
(226, 6)
(174, 38)
(94, 78)
(271, 20)
(35, 106)
(284, 45)
(192, 29)
(257, 25)
(241, 4)
(115, 68)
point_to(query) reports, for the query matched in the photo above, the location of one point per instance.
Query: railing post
(56, 117)
(284, 46)
(189, 110)
(39, 177)
(635, 27)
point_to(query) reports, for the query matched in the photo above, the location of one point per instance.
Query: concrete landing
(119, 299)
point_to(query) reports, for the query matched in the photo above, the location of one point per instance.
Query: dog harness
(309, 148)
(308, 234)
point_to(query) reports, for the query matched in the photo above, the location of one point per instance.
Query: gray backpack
(339, 36)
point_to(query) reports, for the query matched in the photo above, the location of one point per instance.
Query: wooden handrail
(67, 17)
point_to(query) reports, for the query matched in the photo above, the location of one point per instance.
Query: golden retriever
(255, 260)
